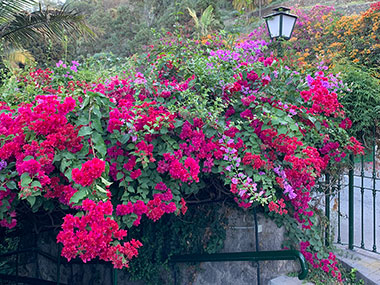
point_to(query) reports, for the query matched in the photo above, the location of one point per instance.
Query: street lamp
(280, 24)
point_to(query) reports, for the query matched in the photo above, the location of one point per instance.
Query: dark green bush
(362, 104)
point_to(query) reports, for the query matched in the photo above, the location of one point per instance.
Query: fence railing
(351, 203)
(9, 274)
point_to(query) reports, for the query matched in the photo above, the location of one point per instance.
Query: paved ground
(367, 264)
(286, 280)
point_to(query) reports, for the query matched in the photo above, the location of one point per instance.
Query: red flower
(135, 174)
(90, 171)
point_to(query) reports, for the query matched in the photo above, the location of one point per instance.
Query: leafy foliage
(201, 230)
(249, 5)
(125, 29)
(362, 103)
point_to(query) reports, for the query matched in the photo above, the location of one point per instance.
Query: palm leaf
(8, 8)
(49, 23)
(193, 15)
(207, 19)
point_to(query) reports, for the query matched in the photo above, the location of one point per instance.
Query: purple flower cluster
(246, 50)
(73, 67)
(333, 82)
(288, 189)
(245, 186)
(3, 164)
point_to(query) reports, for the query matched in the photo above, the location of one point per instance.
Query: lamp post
(280, 24)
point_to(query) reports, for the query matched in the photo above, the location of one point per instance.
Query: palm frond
(207, 19)
(52, 23)
(193, 15)
(9, 8)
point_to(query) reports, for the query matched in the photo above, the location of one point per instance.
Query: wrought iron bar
(27, 280)
(327, 209)
(370, 188)
(257, 244)
(362, 196)
(58, 264)
(18, 247)
(114, 276)
(369, 177)
(351, 204)
(339, 213)
(374, 187)
(247, 256)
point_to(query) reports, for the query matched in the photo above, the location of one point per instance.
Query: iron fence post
(114, 271)
(362, 199)
(327, 209)
(374, 187)
(339, 213)
(351, 204)
(58, 265)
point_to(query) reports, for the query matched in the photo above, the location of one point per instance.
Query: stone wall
(241, 237)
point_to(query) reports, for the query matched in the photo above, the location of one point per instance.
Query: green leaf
(282, 130)
(244, 75)
(36, 184)
(100, 146)
(83, 120)
(101, 189)
(38, 203)
(86, 101)
(178, 123)
(96, 112)
(84, 131)
(97, 125)
(105, 182)
(31, 200)
(293, 127)
(11, 185)
(69, 155)
(119, 175)
(29, 157)
(84, 150)
(125, 138)
(318, 125)
(25, 179)
(64, 164)
(78, 196)
(68, 174)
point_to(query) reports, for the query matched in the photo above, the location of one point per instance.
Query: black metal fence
(11, 264)
(351, 203)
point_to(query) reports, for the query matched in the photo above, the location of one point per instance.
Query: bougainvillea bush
(113, 150)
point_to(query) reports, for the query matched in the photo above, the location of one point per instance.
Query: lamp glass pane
(274, 26)
(287, 25)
